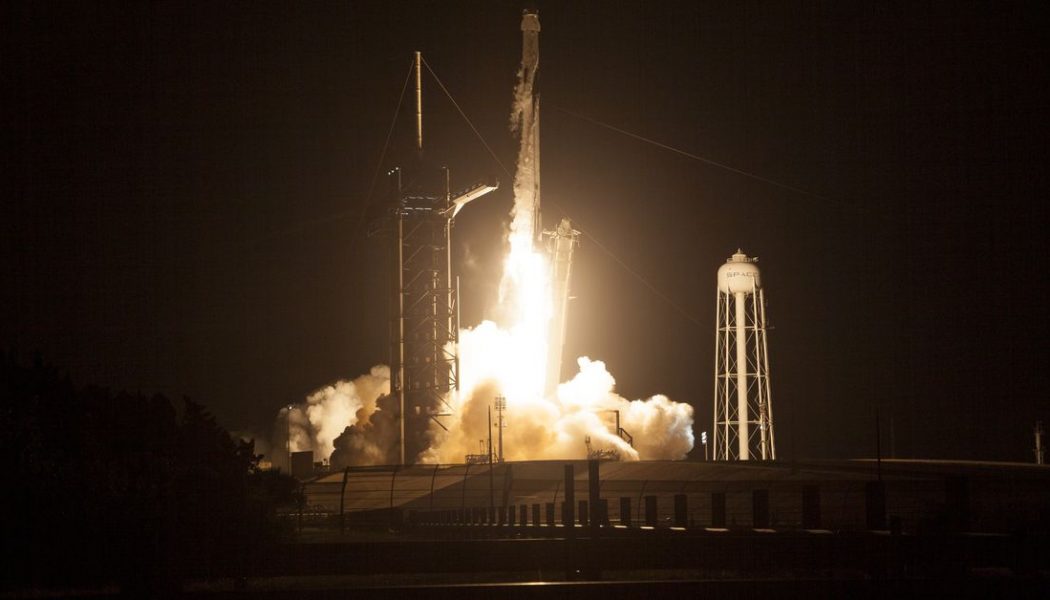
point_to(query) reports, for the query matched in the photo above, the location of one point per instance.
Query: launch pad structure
(417, 221)
(424, 296)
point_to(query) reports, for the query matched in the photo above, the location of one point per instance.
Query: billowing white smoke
(315, 423)
(507, 359)
(510, 359)
(557, 428)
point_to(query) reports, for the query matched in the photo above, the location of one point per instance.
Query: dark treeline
(123, 488)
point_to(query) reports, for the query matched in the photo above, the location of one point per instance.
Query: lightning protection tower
(743, 411)
(416, 220)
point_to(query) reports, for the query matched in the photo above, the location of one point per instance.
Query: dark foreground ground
(636, 564)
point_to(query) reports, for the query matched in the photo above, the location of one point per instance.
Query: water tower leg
(741, 377)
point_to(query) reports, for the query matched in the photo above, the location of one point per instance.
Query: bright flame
(510, 360)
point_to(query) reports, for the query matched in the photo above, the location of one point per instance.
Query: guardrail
(471, 495)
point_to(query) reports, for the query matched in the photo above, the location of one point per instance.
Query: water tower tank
(738, 274)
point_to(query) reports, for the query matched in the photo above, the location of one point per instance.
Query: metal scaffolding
(424, 310)
(424, 299)
(743, 410)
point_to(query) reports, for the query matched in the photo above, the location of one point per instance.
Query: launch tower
(424, 305)
(743, 411)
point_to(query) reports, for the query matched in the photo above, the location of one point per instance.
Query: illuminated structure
(743, 410)
(417, 219)
(1040, 451)
(424, 305)
(561, 243)
(561, 240)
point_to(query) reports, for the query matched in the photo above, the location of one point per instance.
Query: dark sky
(183, 184)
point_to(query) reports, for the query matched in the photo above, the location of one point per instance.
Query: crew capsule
(530, 20)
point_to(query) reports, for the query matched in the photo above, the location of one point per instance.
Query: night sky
(184, 185)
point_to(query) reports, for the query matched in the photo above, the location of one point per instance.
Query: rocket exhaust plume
(507, 357)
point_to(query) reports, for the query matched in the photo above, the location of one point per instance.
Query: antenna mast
(419, 102)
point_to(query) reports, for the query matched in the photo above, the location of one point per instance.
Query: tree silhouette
(122, 486)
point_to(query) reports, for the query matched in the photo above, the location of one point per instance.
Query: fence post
(760, 509)
(594, 495)
(810, 507)
(568, 518)
(602, 512)
(342, 497)
(463, 495)
(433, 478)
(650, 511)
(680, 510)
(393, 480)
(718, 509)
(625, 511)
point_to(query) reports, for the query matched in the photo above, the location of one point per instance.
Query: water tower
(743, 415)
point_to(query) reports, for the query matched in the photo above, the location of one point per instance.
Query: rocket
(563, 239)
(525, 117)
(530, 43)
(530, 63)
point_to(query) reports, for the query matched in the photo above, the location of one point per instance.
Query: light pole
(501, 405)
(703, 440)
(288, 422)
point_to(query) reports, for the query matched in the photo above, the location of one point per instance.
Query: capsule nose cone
(530, 19)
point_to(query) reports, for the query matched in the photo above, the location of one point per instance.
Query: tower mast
(743, 409)
(419, 101)
(416, 218)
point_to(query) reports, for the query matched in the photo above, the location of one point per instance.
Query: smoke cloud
(558, 427)
(358, 420)
(326, 414)
(510, 359)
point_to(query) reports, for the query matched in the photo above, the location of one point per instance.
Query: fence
(668, 494)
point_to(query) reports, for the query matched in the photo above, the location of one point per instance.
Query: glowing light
(509, 358)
